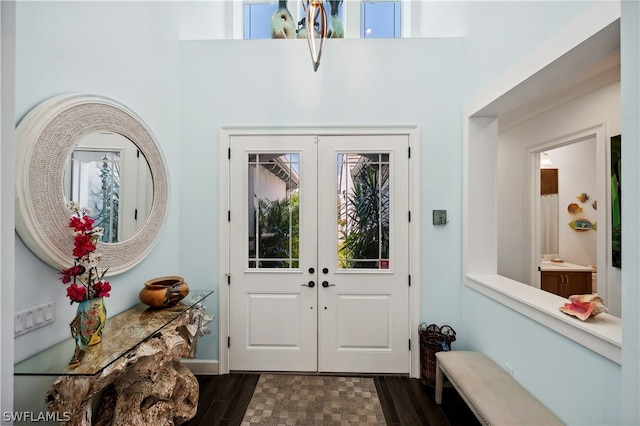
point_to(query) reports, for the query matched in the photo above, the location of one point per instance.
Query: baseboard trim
(202, 366)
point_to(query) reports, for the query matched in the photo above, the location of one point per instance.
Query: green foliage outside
(279, 227)
(365, 235)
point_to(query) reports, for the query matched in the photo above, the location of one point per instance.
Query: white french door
(319, 253)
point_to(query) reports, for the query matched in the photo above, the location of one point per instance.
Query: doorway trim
(603, 195)
(224, 137)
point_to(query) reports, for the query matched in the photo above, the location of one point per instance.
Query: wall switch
(17, 325)
(32, 319)
(40, 315)
(28, 319)
(49, 311)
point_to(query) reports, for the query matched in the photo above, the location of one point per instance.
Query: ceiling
(593, 64)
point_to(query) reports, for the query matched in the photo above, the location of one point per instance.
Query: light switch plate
(439, 217)
(34, 318)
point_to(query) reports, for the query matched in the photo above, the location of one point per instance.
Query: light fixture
(545, 160)
(316, 29)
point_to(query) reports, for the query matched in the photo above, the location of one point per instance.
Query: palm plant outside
(278, 222)
(365, 233)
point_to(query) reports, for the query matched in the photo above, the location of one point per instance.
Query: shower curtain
(549, 223)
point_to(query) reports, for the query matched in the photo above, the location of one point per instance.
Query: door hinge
(409, 215)
(228, 279)
(135, 214)
(409, 345)
(138, 153)
(229, 153)
(409, 280)
(228, 341)
(409, 152)
(228, 215)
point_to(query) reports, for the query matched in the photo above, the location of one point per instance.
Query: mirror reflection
(107, 173)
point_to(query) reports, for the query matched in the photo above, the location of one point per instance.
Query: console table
(136, 367)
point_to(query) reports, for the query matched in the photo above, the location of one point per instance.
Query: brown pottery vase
(162, 292)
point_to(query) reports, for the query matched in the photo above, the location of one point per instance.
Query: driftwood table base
(146, 386)
(170, 400)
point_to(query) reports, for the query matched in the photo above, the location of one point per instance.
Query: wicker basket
(433, 339)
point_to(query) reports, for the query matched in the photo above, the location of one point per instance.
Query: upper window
(286, 19)
(380, 19)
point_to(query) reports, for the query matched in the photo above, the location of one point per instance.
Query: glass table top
(121, 334)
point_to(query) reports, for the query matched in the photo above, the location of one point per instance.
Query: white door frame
(224, 138)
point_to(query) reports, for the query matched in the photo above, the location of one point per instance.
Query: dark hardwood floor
(405, 401)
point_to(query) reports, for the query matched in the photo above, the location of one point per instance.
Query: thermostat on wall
(439, 217)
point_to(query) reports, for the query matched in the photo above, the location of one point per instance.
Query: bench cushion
(492, 394)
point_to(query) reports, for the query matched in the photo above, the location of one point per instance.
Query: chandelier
(316, 20)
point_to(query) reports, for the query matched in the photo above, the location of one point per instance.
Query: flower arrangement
(86, 281)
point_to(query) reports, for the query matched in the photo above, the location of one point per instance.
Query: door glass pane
(95, 183)
(274, 207)
(363, 211)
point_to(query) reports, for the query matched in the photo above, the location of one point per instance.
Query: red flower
(83, 245)
(69, 273)
(84, 224)
(102, 289)
(86, 280)
(76, 293)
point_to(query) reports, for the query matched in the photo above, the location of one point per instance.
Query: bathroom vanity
(565, 279)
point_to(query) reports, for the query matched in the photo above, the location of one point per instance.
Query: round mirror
(97, 152)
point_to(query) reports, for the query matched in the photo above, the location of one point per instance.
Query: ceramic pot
(87, 326)
(162, 292)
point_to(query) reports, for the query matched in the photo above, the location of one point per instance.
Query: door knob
(312, 270)
(326, 284)
(325, 270)
(310, 284)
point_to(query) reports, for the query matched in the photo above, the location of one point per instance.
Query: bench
(490, 392)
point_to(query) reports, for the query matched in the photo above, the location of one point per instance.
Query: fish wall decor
(583, 197)
(574, 208)
(583, 225)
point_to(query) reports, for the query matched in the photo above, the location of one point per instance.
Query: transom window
(380, 19)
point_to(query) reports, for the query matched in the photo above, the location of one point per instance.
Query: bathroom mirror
(68, 134)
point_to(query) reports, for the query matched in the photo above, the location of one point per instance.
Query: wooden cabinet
(566, 283)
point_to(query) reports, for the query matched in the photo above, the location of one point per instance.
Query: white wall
(630, 88)
(576, 165)
(7, 185)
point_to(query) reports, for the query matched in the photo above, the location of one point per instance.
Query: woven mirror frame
(46, 137)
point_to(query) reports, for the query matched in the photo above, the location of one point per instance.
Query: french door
(319, 253)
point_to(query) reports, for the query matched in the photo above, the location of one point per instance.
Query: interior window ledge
(601, 334)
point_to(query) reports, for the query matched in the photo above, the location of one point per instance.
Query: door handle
(326, 284)
(310, 284)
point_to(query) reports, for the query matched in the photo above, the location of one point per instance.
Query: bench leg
(439, 383)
